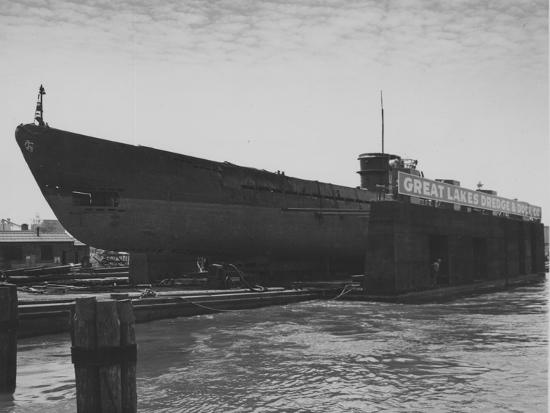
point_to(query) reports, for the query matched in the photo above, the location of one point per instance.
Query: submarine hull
(146, 201)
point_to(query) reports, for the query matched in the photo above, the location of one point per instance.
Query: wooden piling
(84, 338)
(8, 337)
(128, 366)
(104, 355)
(108, 337)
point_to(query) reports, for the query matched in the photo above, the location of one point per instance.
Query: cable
(256, 288)
(205, 306)
(346, 290)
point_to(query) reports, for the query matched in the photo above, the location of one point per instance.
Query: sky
(287, 85)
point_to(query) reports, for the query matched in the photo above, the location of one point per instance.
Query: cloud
(430, 33)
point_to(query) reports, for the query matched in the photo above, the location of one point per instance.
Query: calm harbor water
(482, 353)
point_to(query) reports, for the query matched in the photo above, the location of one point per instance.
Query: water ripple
(482, 353)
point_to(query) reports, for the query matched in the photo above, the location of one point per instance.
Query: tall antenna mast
(382, 107)
(39, 112)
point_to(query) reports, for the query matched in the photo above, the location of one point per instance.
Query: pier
(51, 313)
(39, 315)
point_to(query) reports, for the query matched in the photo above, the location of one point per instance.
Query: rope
(255, 288)
(242, 278)
(346, 290)
(205, 306)
(148, 293)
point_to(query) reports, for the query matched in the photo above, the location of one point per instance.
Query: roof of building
(30, 236)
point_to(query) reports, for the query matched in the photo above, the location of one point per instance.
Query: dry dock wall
(405, 239)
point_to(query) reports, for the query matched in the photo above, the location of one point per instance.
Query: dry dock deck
(449, 292)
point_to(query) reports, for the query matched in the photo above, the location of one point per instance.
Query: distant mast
(382, 108)
(39, 112)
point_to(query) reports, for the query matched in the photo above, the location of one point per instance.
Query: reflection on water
(483, 353)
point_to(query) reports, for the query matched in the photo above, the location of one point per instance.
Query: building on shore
(29, 248)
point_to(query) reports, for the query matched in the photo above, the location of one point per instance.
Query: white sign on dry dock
(438, 191)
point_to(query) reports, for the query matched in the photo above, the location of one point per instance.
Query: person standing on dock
(435, 271)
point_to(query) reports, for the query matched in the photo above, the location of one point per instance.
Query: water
(483, 353)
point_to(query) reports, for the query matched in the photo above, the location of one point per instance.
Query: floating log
(30, 279)
(59, 269)
(123, 268)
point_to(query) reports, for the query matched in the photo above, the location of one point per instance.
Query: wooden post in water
(108, 339)
(84, 339)
(128, 366)
(104, 355)
(8, 337)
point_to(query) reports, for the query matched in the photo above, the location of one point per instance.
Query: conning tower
(379, 171)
